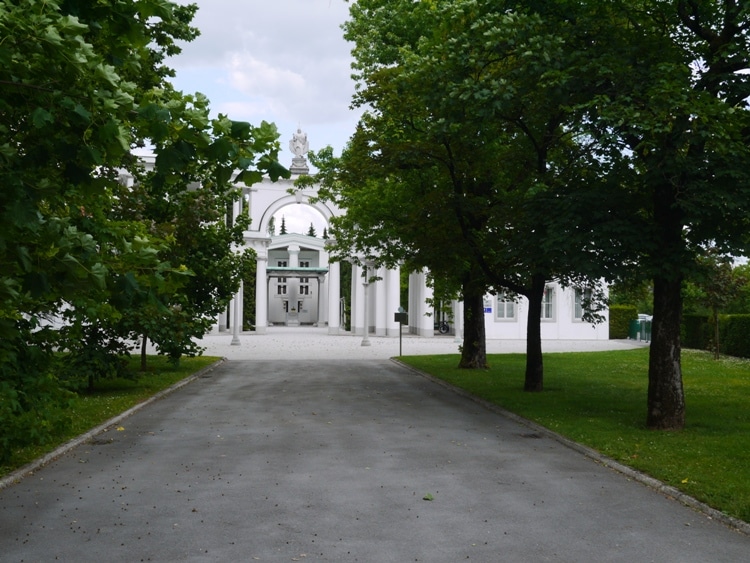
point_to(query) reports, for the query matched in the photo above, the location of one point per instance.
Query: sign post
(402, 318)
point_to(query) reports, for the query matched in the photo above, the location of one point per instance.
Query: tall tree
(70, 75)
(81, 84)
(470, 110)
(188, 200)
(650, 96)
(677, 108)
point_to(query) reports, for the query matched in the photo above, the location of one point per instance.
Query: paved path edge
(735, 524)
(29, 469)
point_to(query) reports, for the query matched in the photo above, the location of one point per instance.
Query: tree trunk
(666, 399)
(144, 343)
(534, 381)
(717, 350)
(474, 349)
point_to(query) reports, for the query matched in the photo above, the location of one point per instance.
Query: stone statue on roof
(299, 147)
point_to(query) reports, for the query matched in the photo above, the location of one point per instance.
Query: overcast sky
(282, 61)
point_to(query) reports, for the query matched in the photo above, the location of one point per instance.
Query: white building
(296, 284)
(562, 316)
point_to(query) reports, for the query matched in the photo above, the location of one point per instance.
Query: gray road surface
(312, 459)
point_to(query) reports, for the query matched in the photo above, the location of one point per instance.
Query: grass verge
(599, 399)
(110, 398)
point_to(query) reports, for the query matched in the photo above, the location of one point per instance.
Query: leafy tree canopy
(83, 84)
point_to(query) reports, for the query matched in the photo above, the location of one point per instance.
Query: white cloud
(256, 78)
(283, 61)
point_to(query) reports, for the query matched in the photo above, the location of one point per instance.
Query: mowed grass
(599, 399)
(110, 398)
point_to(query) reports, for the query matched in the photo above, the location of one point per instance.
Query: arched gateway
(295, 282)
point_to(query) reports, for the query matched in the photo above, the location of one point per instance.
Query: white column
(292, 286)
(237, 317)
(426, 322)
(322, 302)
(334, 297)
(261, 294)
(358, 295)
(381, 312)
(458, 320)
(392, 300)
(236, 209)
(366, 307)
(419, 322)
(412, 306)
(293, 250)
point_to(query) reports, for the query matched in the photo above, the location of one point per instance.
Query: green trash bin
(634, 329)
(646, 331)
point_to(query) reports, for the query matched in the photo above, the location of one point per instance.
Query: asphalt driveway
(333, 460)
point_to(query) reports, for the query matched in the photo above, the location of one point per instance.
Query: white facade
(297, 285)
(562, 316)
(297, 280)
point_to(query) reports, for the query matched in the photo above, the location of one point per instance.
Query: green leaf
(40, 117)
(249, 177)
(241, 129)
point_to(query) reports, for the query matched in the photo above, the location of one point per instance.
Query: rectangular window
(581, 303)
(548, 304)
(304, 264)
(281, 263)
(281, 289)
(506, 308)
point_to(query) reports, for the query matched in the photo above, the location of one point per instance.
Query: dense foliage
(505, 144)
(82, 85)
(464, 150)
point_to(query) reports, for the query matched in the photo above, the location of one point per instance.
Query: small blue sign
(488, 309)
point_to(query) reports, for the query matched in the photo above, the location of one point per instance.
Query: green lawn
(599, 399)
(111, 397)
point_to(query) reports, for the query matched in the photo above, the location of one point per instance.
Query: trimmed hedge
(734, 335)
(696, 332)
(619, 320)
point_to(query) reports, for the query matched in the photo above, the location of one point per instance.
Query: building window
(506, 308)
(304, 286)
(281, 288)
(281, 263)
(581, 303)
(304, 264)
(548, 304)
